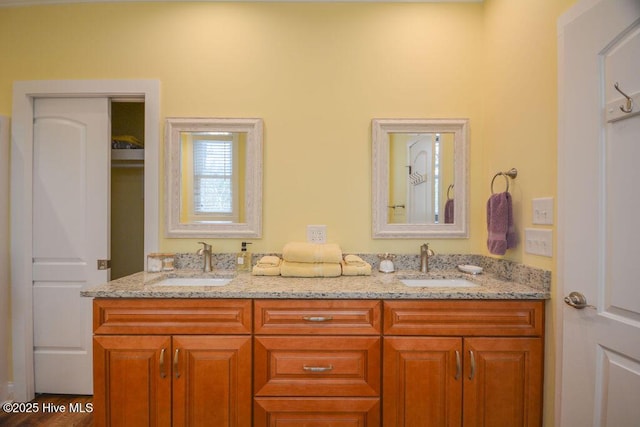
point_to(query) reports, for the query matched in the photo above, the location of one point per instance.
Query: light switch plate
(538, 241)
(543, 211)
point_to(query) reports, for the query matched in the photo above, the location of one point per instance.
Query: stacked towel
(500, 226)
(301, 259)
(268, 265)
(312, 252)
(353, 265)
(311, 260)
(310, 269)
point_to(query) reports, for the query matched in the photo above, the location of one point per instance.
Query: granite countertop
(377, 286)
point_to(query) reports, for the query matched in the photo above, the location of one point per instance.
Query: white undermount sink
(194, 281)
(438, 283)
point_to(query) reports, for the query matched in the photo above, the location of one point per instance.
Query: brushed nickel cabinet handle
(458, 366)
(318, 368)
(473, 365)
(163, 373)
(175, 363)
(318, 318)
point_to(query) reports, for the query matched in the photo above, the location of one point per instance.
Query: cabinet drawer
(317, 412)
(317, 366)
(469, 318)
(328, 317)
(171, 316)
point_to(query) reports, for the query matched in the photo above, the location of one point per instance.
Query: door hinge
(104, 264)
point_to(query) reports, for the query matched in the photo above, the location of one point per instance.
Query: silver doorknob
(577, 300)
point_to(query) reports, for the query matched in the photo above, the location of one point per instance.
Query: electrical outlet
(543, 211)
(538, 242)
(317, 233)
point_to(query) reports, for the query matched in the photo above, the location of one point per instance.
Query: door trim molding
(24, 94)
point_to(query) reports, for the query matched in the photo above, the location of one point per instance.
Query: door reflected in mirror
(420, 178)
(214, 177)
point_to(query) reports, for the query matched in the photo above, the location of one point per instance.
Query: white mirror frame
(252, 227)
(382, 229)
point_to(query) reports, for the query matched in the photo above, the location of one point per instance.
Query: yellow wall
(520, 127)
(316, 73)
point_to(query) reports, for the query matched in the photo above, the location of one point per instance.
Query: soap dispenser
(243, 260)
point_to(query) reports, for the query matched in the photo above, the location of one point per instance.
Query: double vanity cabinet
(318, 362)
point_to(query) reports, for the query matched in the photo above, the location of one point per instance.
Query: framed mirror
(213, 177)
(420, 174)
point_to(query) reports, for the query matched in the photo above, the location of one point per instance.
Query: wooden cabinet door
(502, 382)
(212, 380)
(422, 382)
(132, 381)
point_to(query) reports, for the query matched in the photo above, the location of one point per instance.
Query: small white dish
(471, 269)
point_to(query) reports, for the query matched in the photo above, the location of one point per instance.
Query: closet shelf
(126, 154)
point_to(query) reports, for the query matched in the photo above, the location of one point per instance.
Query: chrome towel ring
(511, 173)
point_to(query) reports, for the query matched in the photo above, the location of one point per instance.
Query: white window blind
(212, 177)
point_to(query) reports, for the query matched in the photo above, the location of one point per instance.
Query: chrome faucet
(205, 251)
(425, 253)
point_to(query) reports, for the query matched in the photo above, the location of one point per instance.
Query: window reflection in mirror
(214, 177)
(419, 185)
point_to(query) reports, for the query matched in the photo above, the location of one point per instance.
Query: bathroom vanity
(361, 351)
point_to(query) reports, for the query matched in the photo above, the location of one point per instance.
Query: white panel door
(71, 168)
(599, 212)
(419, 183)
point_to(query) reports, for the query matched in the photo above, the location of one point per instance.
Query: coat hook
(629, 106)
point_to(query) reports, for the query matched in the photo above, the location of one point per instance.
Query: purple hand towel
(500, 224)
(448, 211)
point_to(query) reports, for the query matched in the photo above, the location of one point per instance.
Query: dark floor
(49, 410)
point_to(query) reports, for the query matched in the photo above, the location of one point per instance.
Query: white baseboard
(6, 392)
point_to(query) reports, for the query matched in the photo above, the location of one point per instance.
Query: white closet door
(71, 168)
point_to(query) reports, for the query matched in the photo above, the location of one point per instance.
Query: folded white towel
(312, 252)
(269, 261)
(310, 269)
(354, 260)
(265, 271)
(268, 265)
(356, 269)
